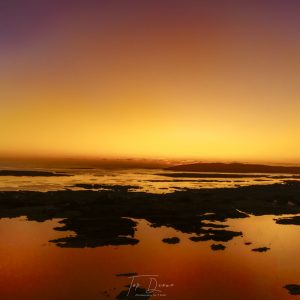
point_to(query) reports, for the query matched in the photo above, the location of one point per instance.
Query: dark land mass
(191, 180)
(107, 217)
(286, 177)
(171, 180)
(81, 168)
(235, 168)
(294, 289)
(208, 175)
(216, 247)
(31, 173)
(126, 274)
(295, 220)
(216, 235)
(172, 240)
(113, 187)
(261, 249)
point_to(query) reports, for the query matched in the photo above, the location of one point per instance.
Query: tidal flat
(148, 231)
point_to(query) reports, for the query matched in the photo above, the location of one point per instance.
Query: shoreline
(104, 217)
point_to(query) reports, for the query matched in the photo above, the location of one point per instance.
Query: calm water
(31, 268)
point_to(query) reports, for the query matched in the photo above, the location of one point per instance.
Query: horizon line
(136, 159)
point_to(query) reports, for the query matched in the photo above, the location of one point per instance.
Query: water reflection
(154, 181)
(196, 243)
(32, 268)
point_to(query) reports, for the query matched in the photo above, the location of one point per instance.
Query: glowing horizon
(156, 80)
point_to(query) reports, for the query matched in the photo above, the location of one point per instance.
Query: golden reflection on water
(34, 269)
(147, 180)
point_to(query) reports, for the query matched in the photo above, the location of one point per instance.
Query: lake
(38, 262)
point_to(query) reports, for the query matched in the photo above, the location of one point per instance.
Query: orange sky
(187, 81)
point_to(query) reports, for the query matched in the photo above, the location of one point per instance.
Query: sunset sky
(211, 80)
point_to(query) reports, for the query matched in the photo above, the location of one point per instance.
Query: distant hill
(235, 168)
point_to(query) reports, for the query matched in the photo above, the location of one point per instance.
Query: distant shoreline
(22, 173)
(235, 168)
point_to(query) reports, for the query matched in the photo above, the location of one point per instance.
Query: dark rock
(116, 187)
(261, 249)
(173, 240)
(217, 247)
(126, 274)
(289, 221)
(216, 235)
(294, 289)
